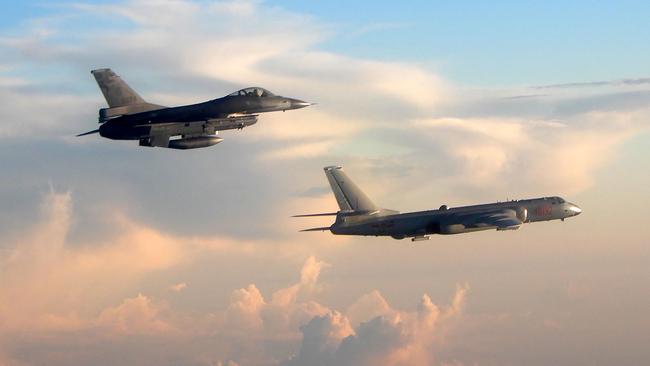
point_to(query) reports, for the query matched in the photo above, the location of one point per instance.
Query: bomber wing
(500, 219)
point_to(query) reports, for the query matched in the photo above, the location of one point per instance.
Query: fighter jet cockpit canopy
(253, 92)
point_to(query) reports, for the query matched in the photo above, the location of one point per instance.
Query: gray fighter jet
(129, 117)
(359, 216)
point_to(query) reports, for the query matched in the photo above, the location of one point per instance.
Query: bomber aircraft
(358, 215)
(129, 117)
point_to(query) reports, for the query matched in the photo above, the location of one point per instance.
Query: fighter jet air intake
(130, 117)
(358, 215)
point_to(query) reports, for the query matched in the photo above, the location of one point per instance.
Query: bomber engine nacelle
(450, 229)
(194, 142)
(522, 214)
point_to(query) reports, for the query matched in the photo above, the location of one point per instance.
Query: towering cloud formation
(250, 330)
(392, 338)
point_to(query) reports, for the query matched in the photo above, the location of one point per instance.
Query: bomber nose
(297, 103)
(574, 209)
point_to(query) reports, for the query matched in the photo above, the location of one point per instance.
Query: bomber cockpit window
(252, 92)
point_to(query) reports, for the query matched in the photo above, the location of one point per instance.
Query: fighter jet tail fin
(116, 91)
(348, 195)
(121, 98)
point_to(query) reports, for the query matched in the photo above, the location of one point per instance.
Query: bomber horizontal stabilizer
(317, 214)
(325, 228)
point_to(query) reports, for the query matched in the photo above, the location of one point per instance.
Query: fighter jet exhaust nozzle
(194, 142)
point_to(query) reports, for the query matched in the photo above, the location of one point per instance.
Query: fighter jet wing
(231, 123)
(501, 220)
(216, 124)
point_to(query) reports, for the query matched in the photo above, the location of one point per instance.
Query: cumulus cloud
(392, 338)
(137, 315)
(84, 298)
(50, 278)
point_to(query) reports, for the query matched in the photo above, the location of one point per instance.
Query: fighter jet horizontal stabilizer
(88, 133)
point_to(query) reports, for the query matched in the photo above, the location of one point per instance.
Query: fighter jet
(130, 117)
(358, 215)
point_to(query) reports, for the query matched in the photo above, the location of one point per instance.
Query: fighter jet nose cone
(296, 104)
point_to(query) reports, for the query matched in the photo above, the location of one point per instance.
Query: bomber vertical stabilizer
(348, 195)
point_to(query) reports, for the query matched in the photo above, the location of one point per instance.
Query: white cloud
(508, 154)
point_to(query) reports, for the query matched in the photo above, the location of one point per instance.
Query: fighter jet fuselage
(221, 112)
(129, 117)
(359, 216)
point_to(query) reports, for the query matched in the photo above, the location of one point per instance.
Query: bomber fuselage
(455, 220)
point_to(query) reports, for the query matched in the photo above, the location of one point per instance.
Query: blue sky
(499, 42)
(472, 42)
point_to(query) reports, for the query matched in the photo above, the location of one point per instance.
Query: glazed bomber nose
(574, 209)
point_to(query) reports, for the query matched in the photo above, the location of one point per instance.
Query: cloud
(509, 154)
(92, 276)
(589, 84)
(137, 315)
(84, 299)
(392, 338)
(29, 109)
(76, 272)
(366, 107)
(178, 287)
(278, 52)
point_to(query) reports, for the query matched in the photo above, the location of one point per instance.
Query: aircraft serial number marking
(545, 210)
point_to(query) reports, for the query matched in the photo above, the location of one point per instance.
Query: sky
(111, 253)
